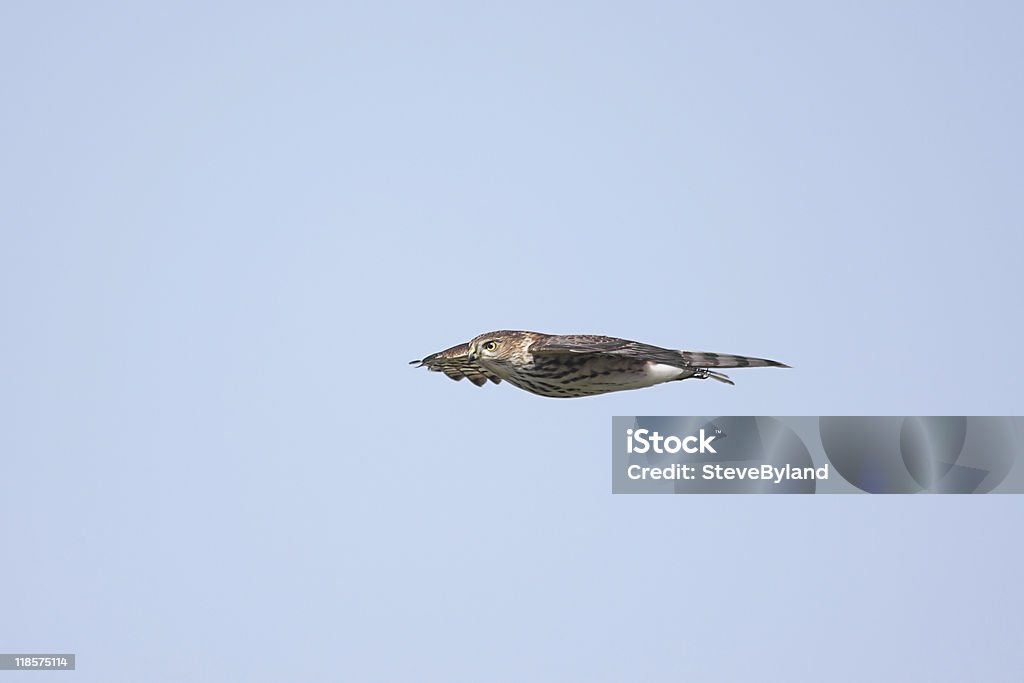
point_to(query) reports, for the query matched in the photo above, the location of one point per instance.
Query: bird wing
(455, 363)
(605, 346)
(624, 348)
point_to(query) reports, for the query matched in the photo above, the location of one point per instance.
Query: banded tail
(702, 361)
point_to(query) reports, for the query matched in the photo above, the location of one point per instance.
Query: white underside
(659, 372)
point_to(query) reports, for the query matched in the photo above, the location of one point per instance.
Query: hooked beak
(472, 356)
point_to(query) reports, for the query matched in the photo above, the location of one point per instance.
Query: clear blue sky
(226, 228)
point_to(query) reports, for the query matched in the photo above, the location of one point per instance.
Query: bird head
(494, 347)
(484, 348)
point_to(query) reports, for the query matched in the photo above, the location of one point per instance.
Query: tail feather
(703, 359)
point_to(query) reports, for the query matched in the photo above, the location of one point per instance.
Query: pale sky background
(227, 227)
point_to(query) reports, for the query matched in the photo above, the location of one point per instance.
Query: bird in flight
(573, 365)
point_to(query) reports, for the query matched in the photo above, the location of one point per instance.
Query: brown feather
(455, 363)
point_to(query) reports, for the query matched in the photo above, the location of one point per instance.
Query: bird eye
(490, 346)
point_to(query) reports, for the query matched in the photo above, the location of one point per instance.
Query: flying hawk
(573, 365)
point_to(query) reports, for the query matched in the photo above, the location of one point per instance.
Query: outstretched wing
(455, 363)
(624, 348)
